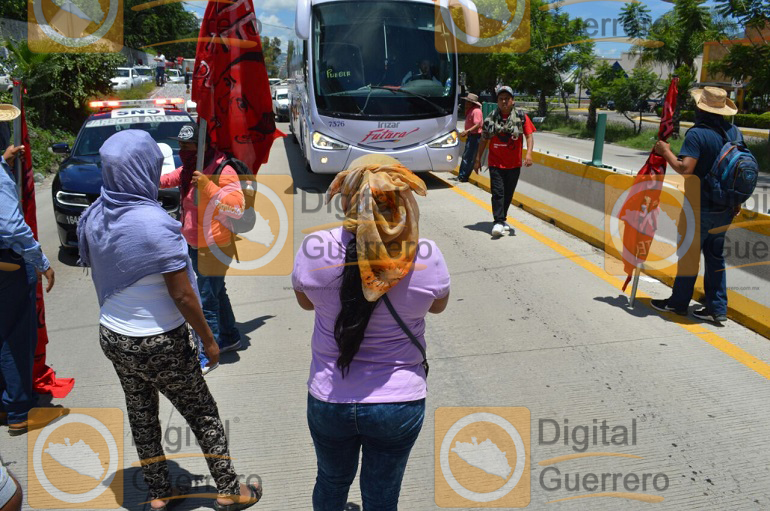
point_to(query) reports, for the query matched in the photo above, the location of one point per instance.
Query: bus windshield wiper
(409, 92)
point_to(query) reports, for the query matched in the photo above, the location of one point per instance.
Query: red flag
(230, 83)
(44, 378)
(641, 209)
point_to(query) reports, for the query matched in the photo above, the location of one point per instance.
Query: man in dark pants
(21, 261)
(701, 147)
(473, 122)
(503, 130)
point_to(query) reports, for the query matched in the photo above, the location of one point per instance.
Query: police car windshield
(160, 127)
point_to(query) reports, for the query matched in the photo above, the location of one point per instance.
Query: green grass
(623, 135)
(43, 159)
(141, 92)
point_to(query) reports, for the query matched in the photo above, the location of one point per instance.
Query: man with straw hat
(21, 261)
(702, 146)
(473, 121)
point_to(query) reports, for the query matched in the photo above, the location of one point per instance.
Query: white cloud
(272, 27)
(270, 19)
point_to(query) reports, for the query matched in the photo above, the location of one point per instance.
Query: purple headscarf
(125, 234)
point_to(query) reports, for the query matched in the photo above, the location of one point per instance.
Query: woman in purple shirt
(367, 379)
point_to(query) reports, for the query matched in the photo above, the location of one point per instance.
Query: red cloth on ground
(44, 378)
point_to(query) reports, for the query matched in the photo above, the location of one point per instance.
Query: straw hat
(472, 98)
(8, 112)
(714, 100)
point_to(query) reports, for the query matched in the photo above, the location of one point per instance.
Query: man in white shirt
(160, 70)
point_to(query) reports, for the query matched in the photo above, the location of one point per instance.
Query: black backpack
(249, 187)
(733, 176)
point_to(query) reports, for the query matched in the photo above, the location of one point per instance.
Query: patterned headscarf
(382, 212)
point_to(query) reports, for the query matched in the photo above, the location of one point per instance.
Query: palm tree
(683, 31)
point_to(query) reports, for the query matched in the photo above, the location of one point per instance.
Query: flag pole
(635, 284)
(202, 129)
(17, 137)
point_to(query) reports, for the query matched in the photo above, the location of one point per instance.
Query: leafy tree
(271, 49)
(683, 30)
(752, 60)
(162, 23)
(59, 85)
(632, 92)
(636, 20)
(14, 9)
(600, 84)
(558, 45)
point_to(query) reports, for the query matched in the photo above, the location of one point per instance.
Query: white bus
(365, 76)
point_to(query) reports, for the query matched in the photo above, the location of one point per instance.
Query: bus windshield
(379, 59)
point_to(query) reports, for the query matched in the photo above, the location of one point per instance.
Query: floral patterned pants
(168, 363)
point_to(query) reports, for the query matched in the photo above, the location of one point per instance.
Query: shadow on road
(643, 309)
(245, 329)
(136, 495)
(486, 228)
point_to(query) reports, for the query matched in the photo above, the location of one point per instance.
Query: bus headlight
(323, 142)
(450, 140)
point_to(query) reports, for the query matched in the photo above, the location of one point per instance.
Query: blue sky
(275, 15)
(601, 10)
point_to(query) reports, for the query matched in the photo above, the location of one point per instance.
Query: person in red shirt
(503, 131)
(473, 122)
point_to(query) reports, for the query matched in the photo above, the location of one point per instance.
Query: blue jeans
(714, 278)
(216, 308)
(18, 339)
(469, 157)
(385, 432)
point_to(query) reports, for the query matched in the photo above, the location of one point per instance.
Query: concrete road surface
(533, 321)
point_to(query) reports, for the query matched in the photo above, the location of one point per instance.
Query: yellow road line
(697, 329)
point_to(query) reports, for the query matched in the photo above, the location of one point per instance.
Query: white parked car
(174, 76)
(126, 78)
(281, 103)
(6, 84)
(146, 74)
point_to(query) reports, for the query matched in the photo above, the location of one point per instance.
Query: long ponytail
(355, 313)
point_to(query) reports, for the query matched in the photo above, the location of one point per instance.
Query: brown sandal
(256, 495)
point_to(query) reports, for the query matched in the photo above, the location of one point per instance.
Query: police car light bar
(167, 102)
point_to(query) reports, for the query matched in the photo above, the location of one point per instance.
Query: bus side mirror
(302, 19)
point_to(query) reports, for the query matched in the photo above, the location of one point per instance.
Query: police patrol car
(79, 180)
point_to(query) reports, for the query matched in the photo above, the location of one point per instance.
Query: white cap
(168, 158)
